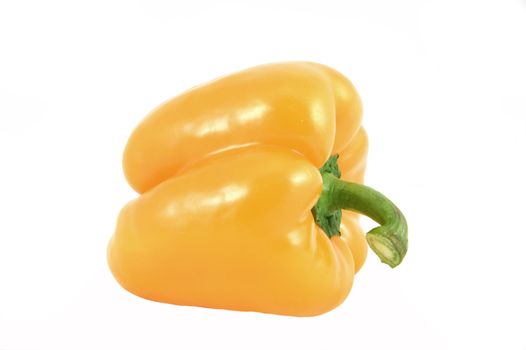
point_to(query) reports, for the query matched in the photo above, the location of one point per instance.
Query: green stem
(388, 241)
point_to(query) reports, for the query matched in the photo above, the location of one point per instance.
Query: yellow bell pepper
(242, 191)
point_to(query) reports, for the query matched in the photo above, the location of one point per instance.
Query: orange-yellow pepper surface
(228, 173)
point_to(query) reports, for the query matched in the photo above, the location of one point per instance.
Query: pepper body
(228, 173)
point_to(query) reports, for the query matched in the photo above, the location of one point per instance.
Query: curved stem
(389, 240)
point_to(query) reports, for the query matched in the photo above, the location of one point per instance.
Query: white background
(444, 90)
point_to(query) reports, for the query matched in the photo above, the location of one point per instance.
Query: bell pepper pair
(250, 188)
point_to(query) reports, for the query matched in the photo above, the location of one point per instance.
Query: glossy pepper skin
(228, 175)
